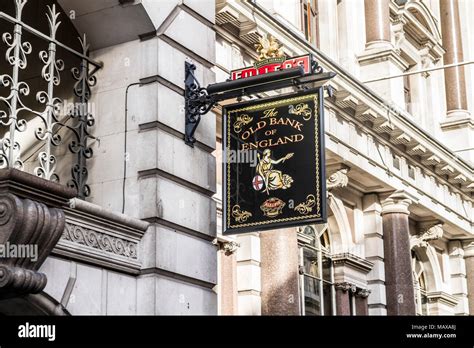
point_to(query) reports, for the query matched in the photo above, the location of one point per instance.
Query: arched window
(419, 280)
(316, 272)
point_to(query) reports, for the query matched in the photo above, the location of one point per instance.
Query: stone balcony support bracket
(31, 222)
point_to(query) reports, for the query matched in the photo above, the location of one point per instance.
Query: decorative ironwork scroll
(15, 116)
(16, 57)
(82, 89)
(50, 73)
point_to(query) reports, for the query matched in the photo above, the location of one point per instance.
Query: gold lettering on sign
(286, 122)
(261, 144)
(270, 113)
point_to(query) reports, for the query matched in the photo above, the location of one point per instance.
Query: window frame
(323, 254)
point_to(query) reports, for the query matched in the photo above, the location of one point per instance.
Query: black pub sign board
(273, 170)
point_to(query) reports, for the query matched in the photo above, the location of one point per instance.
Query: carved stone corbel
(399, 32)
(364, 293)
(428, 232)
(228, 246)
(337, 179)
(31, 223)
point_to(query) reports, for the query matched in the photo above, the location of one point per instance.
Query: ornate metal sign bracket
(200, 100)
(197, 103)
(272, 70)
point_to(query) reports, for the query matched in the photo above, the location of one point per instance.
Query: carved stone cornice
(428, 232)
(355, 262)
(31, 221)
(442, 298)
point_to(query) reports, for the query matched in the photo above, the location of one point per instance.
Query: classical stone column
(377, 23)
(454, 77)
(458, 127)
(362, 307)
(380, 57)
(469, 260)
(279, 264)
(397, 254)
(343, 303)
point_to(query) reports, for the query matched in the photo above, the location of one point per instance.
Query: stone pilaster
(458, 280)
(397, 252)
(279, 265)
(249, 277)
(373, 232)
(469, 260)
(228, 277)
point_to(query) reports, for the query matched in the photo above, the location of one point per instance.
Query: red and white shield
(257, 183)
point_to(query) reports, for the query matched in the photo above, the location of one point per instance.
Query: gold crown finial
(268, 47)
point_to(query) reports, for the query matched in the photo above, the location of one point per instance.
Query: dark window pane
(327, 268)
(312, 298)
(311, 262)
(327, 299)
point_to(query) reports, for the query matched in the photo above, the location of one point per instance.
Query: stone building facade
(125, 217)
(399, 153)
(141, 240)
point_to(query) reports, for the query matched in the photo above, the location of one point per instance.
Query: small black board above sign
(273, 152)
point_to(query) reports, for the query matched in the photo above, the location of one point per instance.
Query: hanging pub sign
(274, 163)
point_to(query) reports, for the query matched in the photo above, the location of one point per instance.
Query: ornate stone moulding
(442, 297)
(101, 237)
(31, 223)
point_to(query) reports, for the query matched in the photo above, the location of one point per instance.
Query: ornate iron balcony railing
(16, 116)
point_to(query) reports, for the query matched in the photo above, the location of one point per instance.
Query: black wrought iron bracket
(197, 103)
(200, 100)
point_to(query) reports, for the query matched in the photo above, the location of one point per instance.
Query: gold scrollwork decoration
(240, 215)
(301, 110)
(306, 207)
(241, 121)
